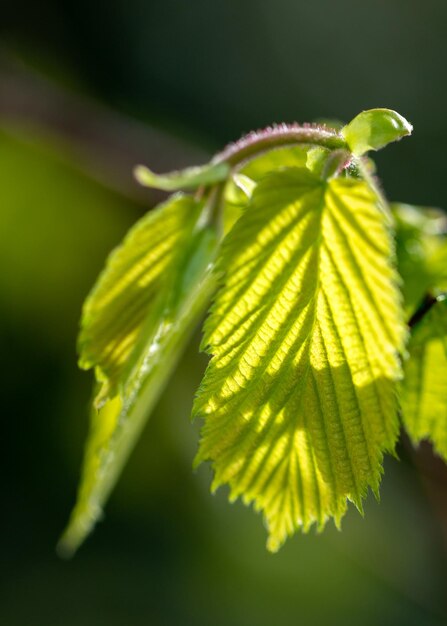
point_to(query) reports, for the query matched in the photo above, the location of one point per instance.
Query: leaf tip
(376, 493)
(83, 519)
(273, 544)
(358, 503)
(65, 548)
(197, 461)
(144, 176)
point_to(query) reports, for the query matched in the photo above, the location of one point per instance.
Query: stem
(335, 163)
(260, 141)
(425, 306)
(212, 211)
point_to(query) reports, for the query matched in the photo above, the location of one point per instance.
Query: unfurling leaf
(136, 324)
(305, 333)
(424, 390)
(374, 129)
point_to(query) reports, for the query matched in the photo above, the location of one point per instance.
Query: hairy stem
(260, 141)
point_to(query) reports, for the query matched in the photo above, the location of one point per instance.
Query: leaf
(241, 184)
(421, 251)
(173, 261)
(130, 287)
(189, 178)
(305, 333)
(424, 389)
(311, 157)
(374, 129)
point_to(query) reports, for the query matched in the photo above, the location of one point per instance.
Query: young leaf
(374, 129)
(130, 287)
(305, 333)
(162, 273)
(424, 389)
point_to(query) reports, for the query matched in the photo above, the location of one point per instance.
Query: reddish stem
(276, 136)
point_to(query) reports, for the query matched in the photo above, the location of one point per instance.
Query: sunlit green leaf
(305, 333)
(130, 287)
(424, 390)
(162, 276)
(374, 129)
(241, 185)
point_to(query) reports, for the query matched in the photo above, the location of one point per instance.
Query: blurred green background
(88, 89)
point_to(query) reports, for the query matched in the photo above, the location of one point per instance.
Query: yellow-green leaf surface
(305, 333)
(156, 286)
(311, 157)
(240, 186)
(130, 287)
(424, 390)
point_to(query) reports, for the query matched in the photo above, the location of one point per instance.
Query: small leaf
(182, 288)
(424, 390)
(374, 129)
(305, 332)
(189, 178)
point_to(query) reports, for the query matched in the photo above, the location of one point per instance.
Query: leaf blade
(129, 289)
(374, 129)
(298, 450)
(115, 428)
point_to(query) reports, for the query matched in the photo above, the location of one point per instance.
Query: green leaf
(424, 390)
(311, 157)
(305, 333)
(189, 178)
(130, 287)
(421, 240)
(240, 185)
(374, 129)
(151, 295)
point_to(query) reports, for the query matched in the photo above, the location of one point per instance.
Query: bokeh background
(88, 89)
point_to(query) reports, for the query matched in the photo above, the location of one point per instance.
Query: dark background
(88, 89)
